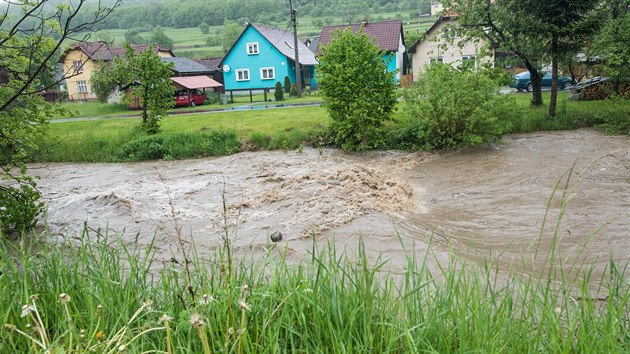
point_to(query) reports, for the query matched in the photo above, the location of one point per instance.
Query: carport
(196, 82)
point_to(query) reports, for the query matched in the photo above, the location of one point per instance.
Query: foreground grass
(290, 128)
(104, 296)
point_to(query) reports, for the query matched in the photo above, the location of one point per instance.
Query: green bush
(19, 207)
(294, 91)
(204, 28)
(278, 93)
(213, 143)
(180, 146)
(617, 117)
(145, 148)
(359, 93)
(450, 107)
(287, 84)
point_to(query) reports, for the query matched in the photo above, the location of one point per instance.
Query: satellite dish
(226, 68)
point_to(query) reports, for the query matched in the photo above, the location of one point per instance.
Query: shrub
(358, 92)
(616, 120)
(181, 146)
(307, 90)
(294, 91)
(145, 148)
(449, 107)
(204, 28)
(278, 93)
(19, 207)
(287, 84)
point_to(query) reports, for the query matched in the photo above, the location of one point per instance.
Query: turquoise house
(388, 36)
(262, 56)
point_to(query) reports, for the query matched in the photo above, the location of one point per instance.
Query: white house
(436, 46)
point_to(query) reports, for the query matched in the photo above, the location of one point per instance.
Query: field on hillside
(191, 42)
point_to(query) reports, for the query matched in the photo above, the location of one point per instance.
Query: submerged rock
(276, 236)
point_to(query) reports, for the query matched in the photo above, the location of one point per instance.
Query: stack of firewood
(605, 90)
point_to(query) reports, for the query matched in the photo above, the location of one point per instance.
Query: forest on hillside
(192, 13)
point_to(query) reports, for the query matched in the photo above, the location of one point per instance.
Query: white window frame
(436, 60)
(452, 32)
(82, 86)
(252, 48)
(77, 65)
(268, 70)
(466, 58)
(244, 74)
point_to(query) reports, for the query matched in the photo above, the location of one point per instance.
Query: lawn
(98, 109)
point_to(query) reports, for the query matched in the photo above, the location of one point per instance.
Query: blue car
(522, 81)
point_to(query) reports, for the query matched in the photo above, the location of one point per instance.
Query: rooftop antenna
(298, 77)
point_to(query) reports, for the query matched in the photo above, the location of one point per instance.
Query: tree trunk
(554, 77)
(144, 107)
(536, 83)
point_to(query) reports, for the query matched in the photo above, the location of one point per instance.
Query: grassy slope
(101, 140)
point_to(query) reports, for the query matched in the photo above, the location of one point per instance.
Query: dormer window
(252, 48)
(77, 66)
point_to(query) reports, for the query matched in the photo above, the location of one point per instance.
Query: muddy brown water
(488, 200)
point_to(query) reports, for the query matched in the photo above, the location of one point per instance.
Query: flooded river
(487, 200)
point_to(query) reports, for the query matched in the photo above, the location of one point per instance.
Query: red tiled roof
(387, 34)
(195, 82)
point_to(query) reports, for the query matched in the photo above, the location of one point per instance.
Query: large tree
(613, 41)
(146, 77)
(31, 37)
(358, 91)
(565, 23)
(508, 25)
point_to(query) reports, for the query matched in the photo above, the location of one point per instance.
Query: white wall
(434, 46)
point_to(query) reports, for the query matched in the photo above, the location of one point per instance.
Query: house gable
(435, 45)
(262, 56)
(83, 58)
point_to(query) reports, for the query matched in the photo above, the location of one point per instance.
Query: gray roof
(185, 65)
(283, 41)
(211, 63)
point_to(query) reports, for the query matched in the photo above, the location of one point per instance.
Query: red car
(196, 98)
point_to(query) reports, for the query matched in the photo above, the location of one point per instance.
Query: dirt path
(492, 198)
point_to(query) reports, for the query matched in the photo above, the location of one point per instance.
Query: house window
(267, 73)
(77, 66)
(242, 75)
(452, 32)
(437, 60)
(468, 59)
(252, 48)
(82, 86)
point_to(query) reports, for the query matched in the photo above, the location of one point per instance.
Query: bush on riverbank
(180, 146)
(104, 295)
(450, 107)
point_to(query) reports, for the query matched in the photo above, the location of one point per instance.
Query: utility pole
(298, 76)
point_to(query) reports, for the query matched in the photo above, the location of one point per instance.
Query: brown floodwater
(487, 200)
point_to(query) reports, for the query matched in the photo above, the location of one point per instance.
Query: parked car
(196, 98)
(523, 81)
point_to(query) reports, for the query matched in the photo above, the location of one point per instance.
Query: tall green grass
(122, 297)
(610, 114)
